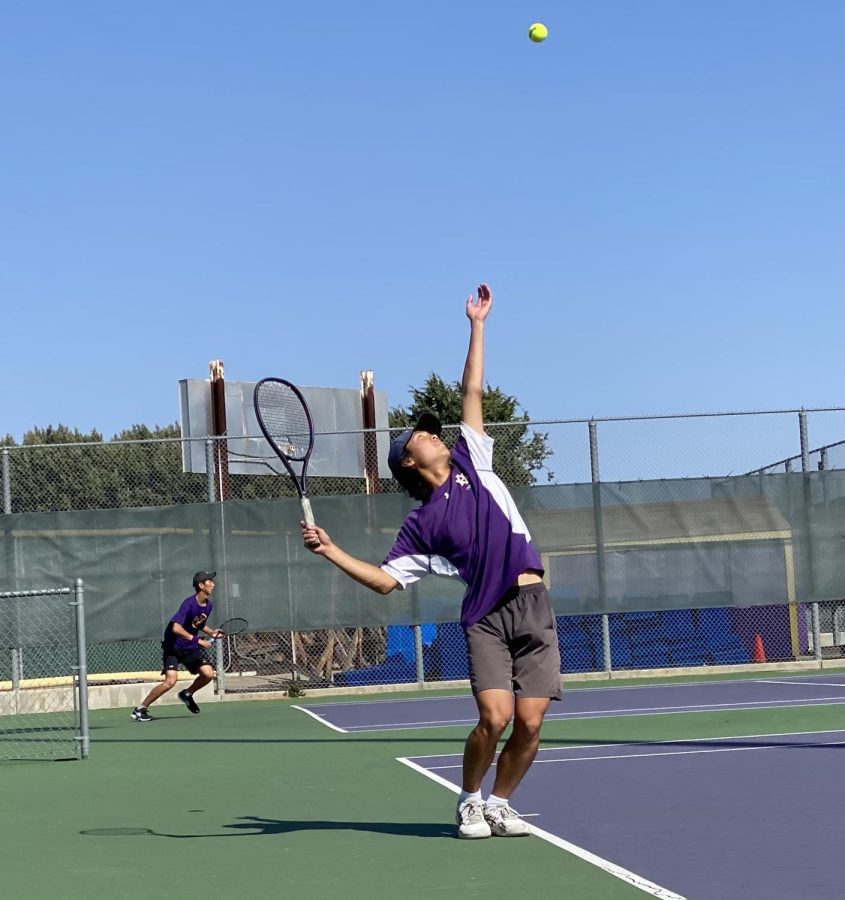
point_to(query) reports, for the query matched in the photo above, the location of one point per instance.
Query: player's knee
(170, 678)
(528, 728)
(494, 721)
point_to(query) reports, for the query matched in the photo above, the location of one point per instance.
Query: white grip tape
(307, 514)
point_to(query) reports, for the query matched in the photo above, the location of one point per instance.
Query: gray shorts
(514, 647)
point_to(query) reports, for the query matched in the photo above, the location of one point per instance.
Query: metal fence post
(81, 668)
(805, 440)
(805, 468)
(17, 659)
(418, 655)
(7, 481)
(600, 563)
(220, 666)
(418, 647)
(211, 494)
(16, 669)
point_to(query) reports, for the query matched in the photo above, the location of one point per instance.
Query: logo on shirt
(462, 480)
(199, 620)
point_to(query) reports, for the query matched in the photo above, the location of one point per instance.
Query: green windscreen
(691, 543)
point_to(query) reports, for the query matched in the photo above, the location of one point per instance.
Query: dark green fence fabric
(689, 543)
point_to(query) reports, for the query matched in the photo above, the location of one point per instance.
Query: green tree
(517, 455)
(47, 477)
(145, 467)
(62, 468)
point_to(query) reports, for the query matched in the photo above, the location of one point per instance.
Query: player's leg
(522, 745)
(495, 710)
(196, 663)
(532, 638)
(205, 675)
(490, 679)
(169, 671)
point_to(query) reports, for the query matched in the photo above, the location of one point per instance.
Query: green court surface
(257, 800)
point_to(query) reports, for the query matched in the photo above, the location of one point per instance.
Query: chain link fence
(149, 473)
(43, 674)
(633, 590)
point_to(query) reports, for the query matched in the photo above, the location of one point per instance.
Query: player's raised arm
(317, 540)
(472, 384)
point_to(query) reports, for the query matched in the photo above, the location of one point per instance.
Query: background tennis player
(182, 645)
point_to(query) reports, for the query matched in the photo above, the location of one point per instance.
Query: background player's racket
(232, 627)
(285, 420)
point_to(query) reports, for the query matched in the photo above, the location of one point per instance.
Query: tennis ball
(538, 32)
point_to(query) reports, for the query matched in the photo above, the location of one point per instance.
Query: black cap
(427, 422)
(200, 577)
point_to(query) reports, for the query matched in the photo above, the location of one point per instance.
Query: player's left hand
(478, 311)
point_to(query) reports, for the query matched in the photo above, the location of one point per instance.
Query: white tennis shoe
(469, 817)
(504, 821)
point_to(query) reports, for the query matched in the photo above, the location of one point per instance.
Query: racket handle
(308, 515)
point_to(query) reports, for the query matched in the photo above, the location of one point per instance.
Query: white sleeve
(480, 448)
(408, 569)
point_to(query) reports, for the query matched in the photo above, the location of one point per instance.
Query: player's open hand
(315, 538)
(477, 310)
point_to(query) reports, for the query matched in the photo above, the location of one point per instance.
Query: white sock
(469, 795)
(493, 800)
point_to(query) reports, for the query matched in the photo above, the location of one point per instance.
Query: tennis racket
(231, 627)
(285, 420)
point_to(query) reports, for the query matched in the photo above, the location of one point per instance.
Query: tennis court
(685, 789)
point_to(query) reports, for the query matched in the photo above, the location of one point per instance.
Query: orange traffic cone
(759, 652)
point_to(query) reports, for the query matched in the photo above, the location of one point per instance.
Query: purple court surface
(590, 703)
(752, 816)
(758, 817)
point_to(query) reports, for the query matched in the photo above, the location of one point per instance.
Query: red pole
(218, 429)
(368, 408)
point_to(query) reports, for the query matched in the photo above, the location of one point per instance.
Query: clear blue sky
(311, 189)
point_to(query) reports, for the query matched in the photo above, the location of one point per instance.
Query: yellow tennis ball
(538, 32)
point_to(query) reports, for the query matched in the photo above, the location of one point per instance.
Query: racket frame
(300, 482)
(232, 633)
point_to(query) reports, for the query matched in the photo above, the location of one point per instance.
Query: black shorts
(514, 647)
(192, 659)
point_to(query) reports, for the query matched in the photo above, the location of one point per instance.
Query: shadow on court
(254, 826)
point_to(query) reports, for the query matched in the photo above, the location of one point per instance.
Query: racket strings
(285, 419)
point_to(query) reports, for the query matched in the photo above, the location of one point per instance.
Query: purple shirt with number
(192, 617)
(469, 528)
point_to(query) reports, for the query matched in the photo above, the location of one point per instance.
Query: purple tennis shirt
(469, 528)
(192, 617)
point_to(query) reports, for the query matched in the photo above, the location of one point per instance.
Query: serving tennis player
(468, 526)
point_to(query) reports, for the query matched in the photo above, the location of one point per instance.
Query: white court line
(837, 684)
(796, 746)
(693, 706)
(320, 719)
(465, 696)
(600, 688)
(608, 713)
(625, 875)
(730, 737)
(611, 757)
